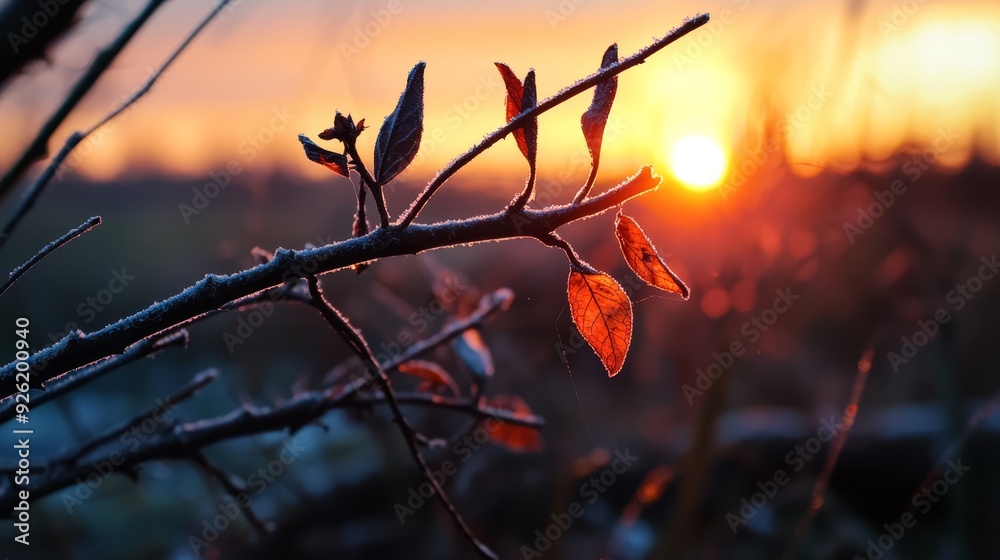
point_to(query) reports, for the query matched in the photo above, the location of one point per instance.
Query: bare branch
(368, 181)
(214, 291)
(354, 339)
(186, 439)
(26, 51)
(38, 146)
(448, 403)
(82, 376)
(233, 487)
(64, 239)
(554, 240)
(184, 393)
(517, 122)
(36, 188)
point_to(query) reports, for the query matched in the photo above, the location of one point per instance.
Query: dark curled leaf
(595, 118)
(331, 160)
(399, 137)
(528, 101)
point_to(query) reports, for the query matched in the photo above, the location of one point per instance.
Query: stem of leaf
(554, 240)
(590, 183)
(519, 121)
(361, 204)
(369, 181)
(518, 204)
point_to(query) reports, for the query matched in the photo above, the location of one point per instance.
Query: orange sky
(847, 81)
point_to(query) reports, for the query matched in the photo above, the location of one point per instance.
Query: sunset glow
(698, 162)
(858, 86)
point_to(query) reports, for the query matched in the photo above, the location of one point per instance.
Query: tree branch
(368, 181)
(232, 487)
(184, 393)
(26, 51)
(80, 377)
(301, 411)
(357, 343)
(38, 146)
(186, 439)
(64, 239)
(214, 291)
(517, 122)
(449, 403)
(36, 188)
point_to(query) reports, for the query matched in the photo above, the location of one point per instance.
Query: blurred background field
(793, 207)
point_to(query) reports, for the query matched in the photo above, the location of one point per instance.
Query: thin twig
(232, 487)
(36, 188)
(37, 148)
(369, 181)
(64, 239)
(305, 409)
(839, 440)
(186, 392)
(215, 291)
(522, 199)
(488, 305)
(554, 240)
(354, 339)
(187, 438)
(77, 378)
(952, 450)
(517, 122)
(450, 403)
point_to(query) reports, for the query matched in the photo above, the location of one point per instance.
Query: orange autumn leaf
(520, 439)
(603, 315)
(642, 257)
(434, 376)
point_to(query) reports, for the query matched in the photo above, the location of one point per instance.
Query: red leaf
(520, 439)
(642, 257)
(331, 160)
(434, 376)
(603, 314)
(520, 97)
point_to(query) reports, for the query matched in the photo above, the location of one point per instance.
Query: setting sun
(698, 162)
